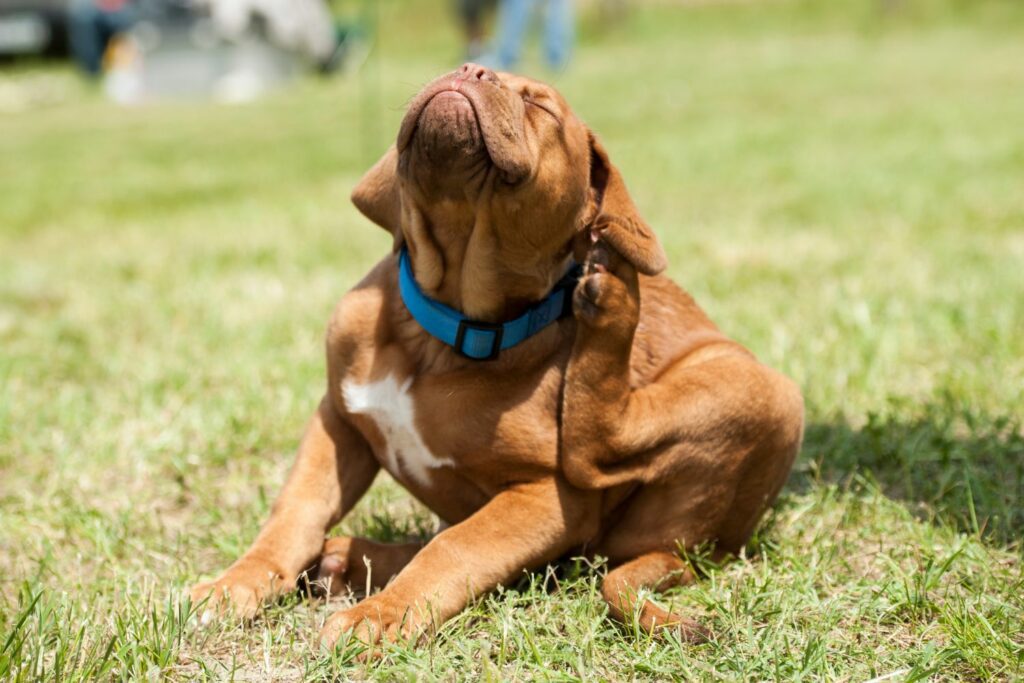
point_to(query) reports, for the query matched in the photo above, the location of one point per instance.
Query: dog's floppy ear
(378, 197)
(617, 220)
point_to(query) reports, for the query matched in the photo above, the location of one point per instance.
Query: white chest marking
(390, 407)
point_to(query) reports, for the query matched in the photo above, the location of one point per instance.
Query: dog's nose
(474, 72)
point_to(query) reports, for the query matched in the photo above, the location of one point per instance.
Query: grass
(841, 186)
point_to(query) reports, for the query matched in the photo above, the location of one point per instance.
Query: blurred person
(92, 24)
(514, 17)
(473, 15)
(304, 26)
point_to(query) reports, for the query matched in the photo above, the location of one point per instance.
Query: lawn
(841, 185)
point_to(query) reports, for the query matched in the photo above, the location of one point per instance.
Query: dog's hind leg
(359, 564)
(713, 408)
(656, 571)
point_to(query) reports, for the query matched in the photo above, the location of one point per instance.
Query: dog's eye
(534, 103)
(509, 179)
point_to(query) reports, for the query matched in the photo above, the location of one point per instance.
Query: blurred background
(839, 184)
(844, 182)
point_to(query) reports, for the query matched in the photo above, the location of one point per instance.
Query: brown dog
(626, 429)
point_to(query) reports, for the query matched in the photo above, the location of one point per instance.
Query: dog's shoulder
(359, 321)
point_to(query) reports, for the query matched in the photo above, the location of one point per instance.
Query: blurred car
(33, 27)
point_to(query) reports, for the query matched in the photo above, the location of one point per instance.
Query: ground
(841, 185)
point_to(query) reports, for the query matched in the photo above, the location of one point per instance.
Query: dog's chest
(390, 405)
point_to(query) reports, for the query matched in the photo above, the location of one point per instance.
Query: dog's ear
(378, 197)
(617, 220)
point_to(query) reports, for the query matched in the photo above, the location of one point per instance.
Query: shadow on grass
(944, 460)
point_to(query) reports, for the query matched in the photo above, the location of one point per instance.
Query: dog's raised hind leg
(712, 407)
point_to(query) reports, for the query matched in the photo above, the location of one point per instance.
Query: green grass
(841, 186)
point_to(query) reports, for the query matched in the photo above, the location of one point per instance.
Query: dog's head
(493, 184)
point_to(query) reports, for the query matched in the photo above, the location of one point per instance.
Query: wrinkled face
(492, 182)
(475, 123)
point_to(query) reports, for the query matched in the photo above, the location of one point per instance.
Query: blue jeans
(91, 28)
(514, 18)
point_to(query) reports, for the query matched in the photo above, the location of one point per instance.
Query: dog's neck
(462, 266)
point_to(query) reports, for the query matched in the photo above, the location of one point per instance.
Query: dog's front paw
(375, 619)
(240, 591)
(608, 295)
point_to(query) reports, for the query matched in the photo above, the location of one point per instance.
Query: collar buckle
(495, 329)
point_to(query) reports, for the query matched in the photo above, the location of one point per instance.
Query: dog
(521, 367)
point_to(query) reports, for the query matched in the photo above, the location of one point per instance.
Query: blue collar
(481, 340)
